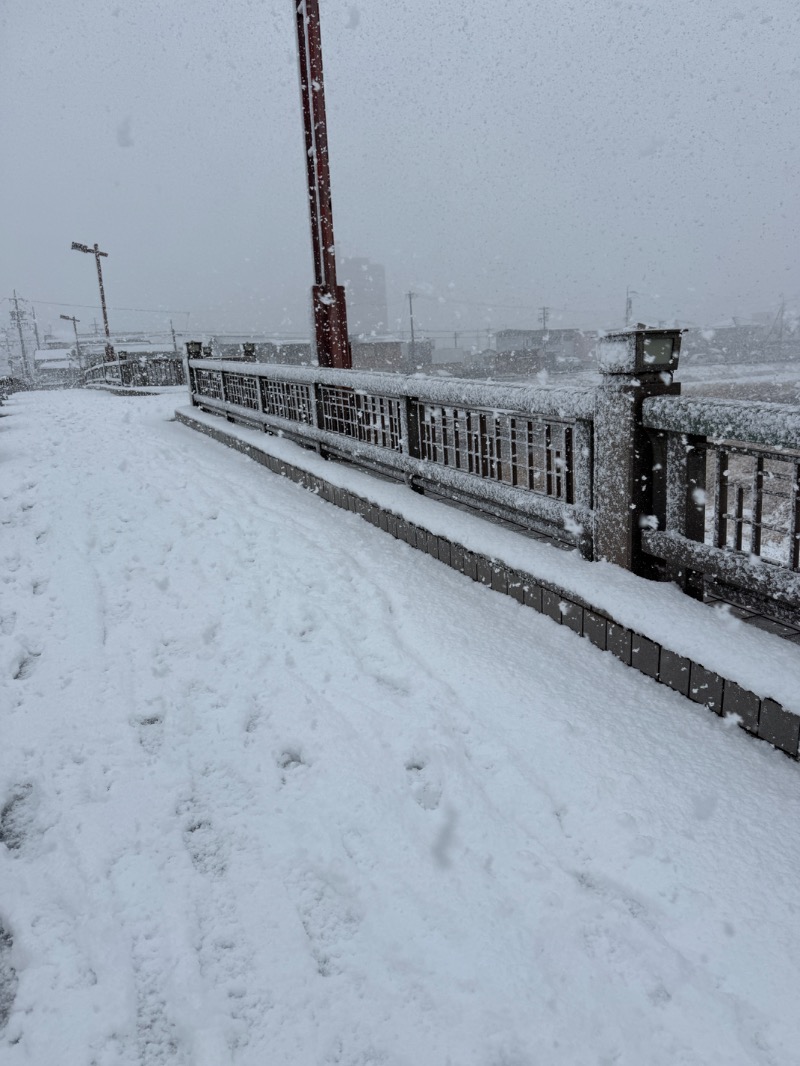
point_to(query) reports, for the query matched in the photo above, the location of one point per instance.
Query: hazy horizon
(493, 161)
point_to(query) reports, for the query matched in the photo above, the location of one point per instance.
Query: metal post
(330, 311)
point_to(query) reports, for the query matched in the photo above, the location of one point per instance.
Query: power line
(96, 307)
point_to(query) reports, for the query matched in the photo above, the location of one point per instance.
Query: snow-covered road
(277, 789)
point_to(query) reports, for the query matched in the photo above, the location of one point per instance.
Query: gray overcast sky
(510, 154)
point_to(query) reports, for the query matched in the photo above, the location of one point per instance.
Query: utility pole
(455, 339)
(545, 313)
(95, 251)
(174, 338)
(17, 316)
(328, 298)
(74, 321)
(9, 355)
(629, 295)
(411, 296)
(35, 327)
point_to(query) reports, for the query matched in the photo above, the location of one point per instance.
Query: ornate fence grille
(285, 399)
(207, 383)
(366, 418)
(241, 390)
(754, 503)
(530, 453)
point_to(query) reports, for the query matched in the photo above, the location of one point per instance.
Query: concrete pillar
(628, 461)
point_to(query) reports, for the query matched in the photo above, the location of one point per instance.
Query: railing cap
(776, 425)
(552, 401)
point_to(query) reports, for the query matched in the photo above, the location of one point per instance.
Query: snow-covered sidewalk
(276, 788)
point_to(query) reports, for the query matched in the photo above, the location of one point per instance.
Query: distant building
(744, 343)
(448, 356)
(365, 287)
(378, 355)
(520, 361)
(299, 353)
(390, 354)
(569, 343)
(93, 349)
(531, 350)
(55, 366)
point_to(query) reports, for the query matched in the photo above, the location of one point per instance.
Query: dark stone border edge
(126, 390)
(759, 716)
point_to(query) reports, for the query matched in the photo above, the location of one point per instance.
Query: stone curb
(124, 390)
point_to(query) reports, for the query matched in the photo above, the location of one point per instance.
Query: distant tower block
(365, 284)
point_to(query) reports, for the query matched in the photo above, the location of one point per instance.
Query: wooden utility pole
(95, 251)
(411, 296)
(330, 310)
(75, 321)
(26, 370)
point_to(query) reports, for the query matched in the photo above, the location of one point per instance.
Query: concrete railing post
(628, 464)
(194, 350)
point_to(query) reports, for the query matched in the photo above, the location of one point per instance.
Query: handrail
(776, 425)
(550, 401)
(520, 453)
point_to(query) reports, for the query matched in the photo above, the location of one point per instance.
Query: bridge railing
(517, 452)
(10, 385)
(731, 521)
(132, 373)
(702, 492)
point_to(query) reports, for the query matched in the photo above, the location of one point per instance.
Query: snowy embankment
(276, 788)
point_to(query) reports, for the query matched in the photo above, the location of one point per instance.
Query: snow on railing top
(551, 401)
(776, 425)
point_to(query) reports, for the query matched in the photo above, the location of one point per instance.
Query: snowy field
(277, 789)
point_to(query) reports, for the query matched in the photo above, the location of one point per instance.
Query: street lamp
(330, 310)
(642, 353)
(95, 251)
(75, 321)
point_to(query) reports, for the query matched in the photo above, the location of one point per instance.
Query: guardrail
(519, 453)
(732, 516)
(135, 373)
(703, 492)
(9, 385)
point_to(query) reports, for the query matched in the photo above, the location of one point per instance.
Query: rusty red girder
(330, 311)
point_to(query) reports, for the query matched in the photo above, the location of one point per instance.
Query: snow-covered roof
(50, 355)
(144, 349)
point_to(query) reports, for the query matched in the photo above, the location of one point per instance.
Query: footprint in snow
(8, 977)
(151, 732)
(330, 914)
(426, 788)
(26, 664)
(18, 817)
(207, 849)
(290, 761)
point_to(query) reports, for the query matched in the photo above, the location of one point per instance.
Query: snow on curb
(724, 644)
